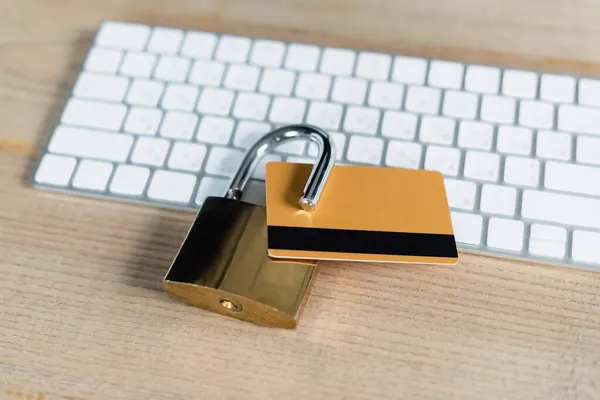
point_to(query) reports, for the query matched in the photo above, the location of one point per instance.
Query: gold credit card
(365, 213)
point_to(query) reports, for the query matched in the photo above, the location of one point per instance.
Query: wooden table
(82, 311)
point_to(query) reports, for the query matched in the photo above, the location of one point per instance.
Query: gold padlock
(223, 264)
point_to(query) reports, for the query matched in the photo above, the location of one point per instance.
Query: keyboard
(163, 116)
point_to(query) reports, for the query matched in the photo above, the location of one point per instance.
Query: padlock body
(223, 266)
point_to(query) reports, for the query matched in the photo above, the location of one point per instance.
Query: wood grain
(82, 311)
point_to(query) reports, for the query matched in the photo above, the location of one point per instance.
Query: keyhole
(231, 305)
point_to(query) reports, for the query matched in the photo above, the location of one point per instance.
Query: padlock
(223, 263)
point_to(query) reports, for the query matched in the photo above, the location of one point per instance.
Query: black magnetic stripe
(365, 242)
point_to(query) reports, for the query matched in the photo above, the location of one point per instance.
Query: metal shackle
(320, 172)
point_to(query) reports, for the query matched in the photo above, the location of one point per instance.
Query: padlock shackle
(320, 172)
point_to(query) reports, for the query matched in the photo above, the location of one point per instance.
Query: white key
(223, 161)
(247, 133)
(94, 114)
(460, 104)
(55, 170)
(423, 99)
(179, 125)
(515, 140)
(103, 60)
(553, 145)
(90, 143)
(165, 40)
(242, 77)
(199, 44)
(172, 186)
(588, 150)
(569, 178)
(251, 106)
(589, 92)
(521, 171)
(216, 130)
(92, 175)
(100, 86)
(303, 57)
(349, 90)
(521, 84)
(267, 53)
(337, 61)
(287, 110)
(475, 135)
(585, 246)
(373, 65)
(325, 115)
(386, 95)
(443, 159)
(232, 48)
(437, 130)
(482, 79)
(215, 101)
(180, 97)
(187, 156)
(150, 151)
(365, 149)
(129, 180)
(207, 73)
(361, 120)
(143, 121)
(498, 109)
(122, 35)
(210, 187)
(467, 227)
(259, 171)
(561, 208)
(277, 82)
(557, 88)
(505, 234)
(409, 70)
(339, 141)
(399, 125)
(445, 74)
(173, 69)
(403, 154)
(498, 199)
(138, 65)
(313, 86)
(143, 92)
(579, 119)
(293, 147)
(536, 114)
(547, 240)
(482, 166)
(461, 194)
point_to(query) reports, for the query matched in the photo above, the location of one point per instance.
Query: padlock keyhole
(231, 305)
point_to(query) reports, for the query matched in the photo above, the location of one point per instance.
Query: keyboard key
(363, 149)
(325, 115)
(199, 44)
(139, 65)
(514, 140)
(547, 240)
(498, 109)
(277, 82)
(241, 77)
(339, 141)
(287, 110)
(103, 60)
(187, 156)
(207, 73)
(588, 149)
(561, 208)
(589, 92)
(437, 130)
(173, 69)
(555, 145)
(475, 135)
(55, 170)
(423, 99)
(303, 57)
(90, 143)
(482, 166)
(267, 53)
(557, 88)
(172, 186)
(409, 70)
(579, 119)
(232, 48)
(247, 133)
(386, 95)
(129, 180)
(361, 120)
(498, 199)
(585, 246)
(461, 194)
(572, 178)
(210, 186)
(337, 61)
(521, 171)
(482, 79)
(399, 125)
(180, 97)
(505, 234)
(122, 35)
(521, 84)
(403, 154)
(216, 130)
(294, 147)
(467, 227)
(150, 151)
(145, 92)
(349, 90)
(445, 74)
(143, 121)
(373, 65)
(443, 159)
(536, 114)
(313, 86)
(460, 104)
(179, 125)
(92, 175)
(251, 106)
(215, 101)
(223, 161)
(93, 114)
(100, 86)
(165, 40)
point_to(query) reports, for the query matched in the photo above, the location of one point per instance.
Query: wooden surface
(82, 312)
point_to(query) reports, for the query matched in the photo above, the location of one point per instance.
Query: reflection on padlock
(223, 265)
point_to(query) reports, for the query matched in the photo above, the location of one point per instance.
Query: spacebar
(561, 208)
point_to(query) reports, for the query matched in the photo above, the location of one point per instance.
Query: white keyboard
(163, 116)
